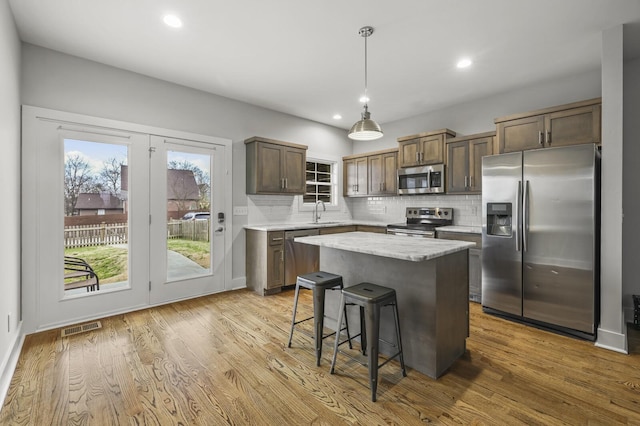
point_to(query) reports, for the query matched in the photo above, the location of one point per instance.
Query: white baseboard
(612, 341)
(9, 366)
(238, 282)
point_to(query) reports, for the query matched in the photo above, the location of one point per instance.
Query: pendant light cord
(366, 98)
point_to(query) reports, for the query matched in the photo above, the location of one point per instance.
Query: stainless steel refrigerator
(540, 237)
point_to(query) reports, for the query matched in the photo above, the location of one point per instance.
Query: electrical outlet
(240, 211)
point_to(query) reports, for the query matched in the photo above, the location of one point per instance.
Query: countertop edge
(295, 226)
(382, 245)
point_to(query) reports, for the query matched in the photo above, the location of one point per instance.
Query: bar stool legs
(318, 282)
(371, 298)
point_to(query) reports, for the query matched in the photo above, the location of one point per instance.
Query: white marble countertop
(461, 229)
(310, 225)
(385, 245)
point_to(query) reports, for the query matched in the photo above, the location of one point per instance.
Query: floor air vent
(77, 329)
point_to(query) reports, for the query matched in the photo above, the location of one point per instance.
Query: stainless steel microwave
(421, 180)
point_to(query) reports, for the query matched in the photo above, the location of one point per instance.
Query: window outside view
(188, 215)
(96, 233)
(320, 182)
(96, 216)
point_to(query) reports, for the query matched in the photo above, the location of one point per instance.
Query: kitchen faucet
(316, 214)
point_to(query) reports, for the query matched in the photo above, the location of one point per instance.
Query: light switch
(240, 211)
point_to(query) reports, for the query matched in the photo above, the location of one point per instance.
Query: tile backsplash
(467, 208)
(264, 209)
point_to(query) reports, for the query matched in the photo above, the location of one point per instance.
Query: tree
(110, 176)
(77, 179)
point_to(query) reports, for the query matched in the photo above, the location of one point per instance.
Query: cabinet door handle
(466, 180)
(277, 239)
(282, 183)
(470, 181)
(548, 137)
(540, 141)
(417, 157)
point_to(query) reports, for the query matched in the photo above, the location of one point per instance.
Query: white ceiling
(306, 58)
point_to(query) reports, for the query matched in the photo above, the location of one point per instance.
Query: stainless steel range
(422, 222)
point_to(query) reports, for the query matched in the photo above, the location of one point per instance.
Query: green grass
(109, 263)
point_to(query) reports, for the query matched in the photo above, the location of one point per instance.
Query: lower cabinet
(265, 261)
(371, 228)
(475, 261)
(337, 229)
(266, 254)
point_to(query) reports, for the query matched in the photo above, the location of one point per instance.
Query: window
(321, 182)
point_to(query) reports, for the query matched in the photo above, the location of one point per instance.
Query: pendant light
(365, 129)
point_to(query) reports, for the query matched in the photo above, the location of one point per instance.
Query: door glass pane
(188, 215)
(96, 217)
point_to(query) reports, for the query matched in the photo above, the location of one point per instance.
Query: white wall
(9, 193)
(62, 82)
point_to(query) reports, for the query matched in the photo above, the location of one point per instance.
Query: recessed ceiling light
(337, 117)
(364, 99)
(172, 20)
(464, 63)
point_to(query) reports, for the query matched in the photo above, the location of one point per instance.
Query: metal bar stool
(370, 298)
(318, 282)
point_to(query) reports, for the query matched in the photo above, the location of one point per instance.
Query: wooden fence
(95, 235)
(117, 233)
(195, 230)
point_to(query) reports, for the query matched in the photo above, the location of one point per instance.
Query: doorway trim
(32, 210)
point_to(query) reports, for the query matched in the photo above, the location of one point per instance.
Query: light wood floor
(223, 359)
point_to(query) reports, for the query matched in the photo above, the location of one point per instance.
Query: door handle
(548, 137)
(220, 229)
(519, 218)
(466, 180)
(540, 141)
(525, 217)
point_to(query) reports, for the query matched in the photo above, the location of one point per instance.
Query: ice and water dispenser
(499, 219)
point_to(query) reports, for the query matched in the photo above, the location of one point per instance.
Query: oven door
(411, 233)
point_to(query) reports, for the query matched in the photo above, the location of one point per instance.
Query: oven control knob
(446, 213)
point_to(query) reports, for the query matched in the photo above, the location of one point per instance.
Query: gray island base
(430, 277)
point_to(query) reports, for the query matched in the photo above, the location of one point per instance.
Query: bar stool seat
(370, 298)
(318, 282)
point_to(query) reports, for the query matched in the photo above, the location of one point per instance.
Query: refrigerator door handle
(525, 216)
(518, 226)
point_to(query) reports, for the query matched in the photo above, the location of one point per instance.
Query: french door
(117, 219)
(188, 219)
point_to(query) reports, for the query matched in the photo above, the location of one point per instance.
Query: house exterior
(91, 204)
(183, 192)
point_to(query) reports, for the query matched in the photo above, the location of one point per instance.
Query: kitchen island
(430, 277)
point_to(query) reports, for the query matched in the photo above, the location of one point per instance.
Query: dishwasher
(299, 258)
